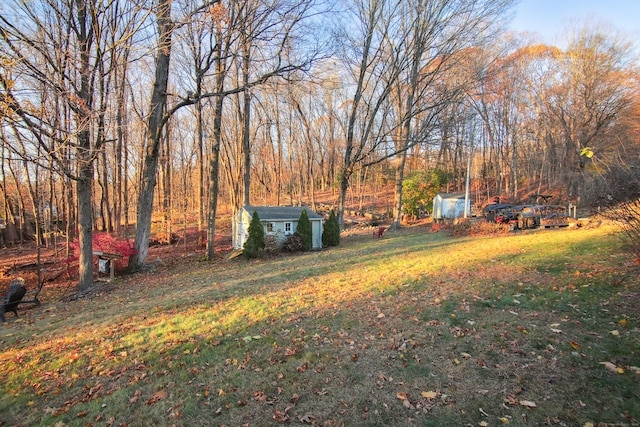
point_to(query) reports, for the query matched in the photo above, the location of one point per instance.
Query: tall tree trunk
(70, 219)
(200, 161)
(420, 23)
(158, 102)
(214, 168)
(34, 194)
(166, 184)
(348, 166)
(246, 121)
(214, 181)
(278, 165)
(119, 190)
(84, 184)
(246, 104)
(85, 217)
(8, 214)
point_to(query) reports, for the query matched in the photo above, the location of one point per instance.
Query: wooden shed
(279, 221)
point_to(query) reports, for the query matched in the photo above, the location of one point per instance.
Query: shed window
(269, 228)
(288, 228)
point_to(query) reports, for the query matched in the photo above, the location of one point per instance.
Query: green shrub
(419, 189)
(254, 246)
(304, 231)
(331, 232)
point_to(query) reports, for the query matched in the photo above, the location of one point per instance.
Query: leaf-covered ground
(416, 328)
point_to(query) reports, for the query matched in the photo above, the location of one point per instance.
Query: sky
(550, 19)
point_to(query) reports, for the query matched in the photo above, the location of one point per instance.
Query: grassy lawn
(534, 328)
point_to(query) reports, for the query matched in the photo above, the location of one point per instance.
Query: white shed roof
(450, 196)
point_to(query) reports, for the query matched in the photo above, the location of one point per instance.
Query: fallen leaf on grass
(429, 394)
(575, 345)
(157, 396)
(307, 419)
(612, 367)
(135, 397)
(615, 333)
(504, 420)
(281, 416)
(528, 404)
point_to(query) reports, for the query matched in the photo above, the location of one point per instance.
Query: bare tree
(63, 47)
(403, 51)
(435, 38)
(368, 45)
(588, 95)
(154, 133)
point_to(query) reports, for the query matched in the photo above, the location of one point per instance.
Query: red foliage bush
(105, 242)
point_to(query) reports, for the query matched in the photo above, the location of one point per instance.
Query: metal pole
(467, 204)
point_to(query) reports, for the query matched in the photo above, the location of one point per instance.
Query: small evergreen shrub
(254, 246)
(304, 231)
(293, 243)
(331, 232)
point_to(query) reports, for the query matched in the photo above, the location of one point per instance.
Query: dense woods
(124, 114)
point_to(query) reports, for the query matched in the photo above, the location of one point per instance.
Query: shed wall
(240, 229)
(449, 206)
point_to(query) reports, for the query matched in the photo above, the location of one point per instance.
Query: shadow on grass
(238, 340)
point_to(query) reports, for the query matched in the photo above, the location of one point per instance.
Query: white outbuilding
(450, 205)
(278, 221)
